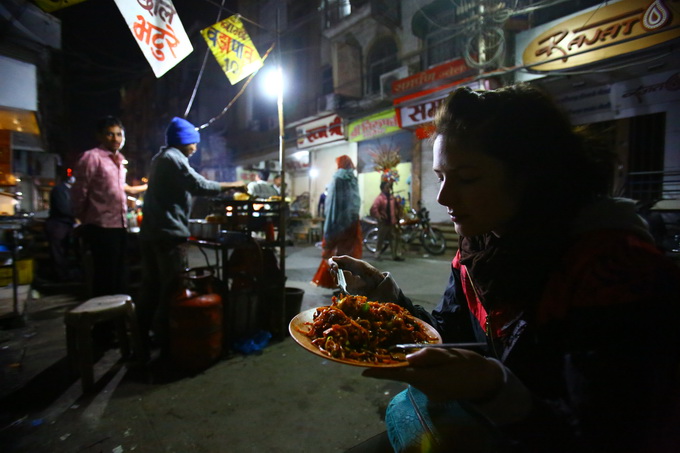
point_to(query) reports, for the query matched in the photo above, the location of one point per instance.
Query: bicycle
(415, 226)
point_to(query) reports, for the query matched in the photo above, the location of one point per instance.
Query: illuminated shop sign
(321, 131)
(422, 112)
(445, 71)
(421, 108)
(600, 33)
(374, 126)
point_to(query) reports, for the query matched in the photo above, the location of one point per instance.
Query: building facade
(378, 70)
(29, 107)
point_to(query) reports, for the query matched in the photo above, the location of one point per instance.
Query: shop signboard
(610, 100)
(589, 101)
(321, 131)
(298, 161)
(652, 89)
(436, 74)
(422, 112)
(18, 84)
(597, 34)
(373, 126)
(420, 108)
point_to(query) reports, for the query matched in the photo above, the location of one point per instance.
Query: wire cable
(200, 73)
(234, 12)
(243, 88)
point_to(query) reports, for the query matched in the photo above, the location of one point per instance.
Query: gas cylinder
(196, 321)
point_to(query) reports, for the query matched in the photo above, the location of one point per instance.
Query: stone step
(449, 234)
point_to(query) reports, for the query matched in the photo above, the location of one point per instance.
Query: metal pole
(282, 150)
(283, 211)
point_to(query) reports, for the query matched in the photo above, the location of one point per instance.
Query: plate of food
(357, 332)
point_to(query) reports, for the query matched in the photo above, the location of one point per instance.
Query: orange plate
(300, 320)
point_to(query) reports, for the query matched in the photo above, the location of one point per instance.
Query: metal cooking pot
(201, 229)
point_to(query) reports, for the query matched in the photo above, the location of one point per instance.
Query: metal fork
(342, 283)
(439, 345)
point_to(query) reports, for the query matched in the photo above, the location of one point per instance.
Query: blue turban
(181, 132)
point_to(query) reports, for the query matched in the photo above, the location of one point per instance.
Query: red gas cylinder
(196, 322)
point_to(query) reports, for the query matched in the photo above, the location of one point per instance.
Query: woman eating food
(563, 283)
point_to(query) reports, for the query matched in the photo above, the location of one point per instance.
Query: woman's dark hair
(108, 121)
(557, 169)
(523, 127)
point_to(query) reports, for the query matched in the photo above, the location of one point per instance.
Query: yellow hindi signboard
(233, 49)
(54, 5)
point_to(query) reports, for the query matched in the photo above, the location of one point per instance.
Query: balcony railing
(649, 186)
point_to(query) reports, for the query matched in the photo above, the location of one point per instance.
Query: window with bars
(443, 39)
(645, 178)
(382, 58)
(639, 143)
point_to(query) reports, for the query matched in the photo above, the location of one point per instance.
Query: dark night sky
(101, 55)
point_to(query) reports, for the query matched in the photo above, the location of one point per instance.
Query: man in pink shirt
(99, 202)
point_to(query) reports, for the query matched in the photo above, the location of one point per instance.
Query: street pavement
(281, 399)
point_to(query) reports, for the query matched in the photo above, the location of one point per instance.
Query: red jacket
(599, 353)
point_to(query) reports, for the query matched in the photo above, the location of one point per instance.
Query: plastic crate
(24, 273)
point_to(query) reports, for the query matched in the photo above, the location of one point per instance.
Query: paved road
(281, 400)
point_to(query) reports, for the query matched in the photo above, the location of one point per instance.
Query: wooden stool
(79, 321)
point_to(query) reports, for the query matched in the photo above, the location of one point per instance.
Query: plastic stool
(79, 321)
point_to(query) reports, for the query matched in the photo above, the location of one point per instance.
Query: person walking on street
(165, 229)
(387, 211)
(341, 228)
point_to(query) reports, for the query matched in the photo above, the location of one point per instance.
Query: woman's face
(475, 188)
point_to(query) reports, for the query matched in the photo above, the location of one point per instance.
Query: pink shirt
(98, 195)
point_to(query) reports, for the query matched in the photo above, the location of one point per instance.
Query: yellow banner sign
(53, 5)
(233, 49)
(605, 32)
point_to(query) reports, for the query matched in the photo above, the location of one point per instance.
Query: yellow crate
(24, 273)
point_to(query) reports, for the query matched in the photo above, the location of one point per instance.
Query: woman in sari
(341, 229)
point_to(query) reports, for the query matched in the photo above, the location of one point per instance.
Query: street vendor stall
(245, 239)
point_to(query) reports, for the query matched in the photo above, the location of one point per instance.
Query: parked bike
(416, 226)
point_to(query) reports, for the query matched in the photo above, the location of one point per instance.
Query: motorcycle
(416, 226)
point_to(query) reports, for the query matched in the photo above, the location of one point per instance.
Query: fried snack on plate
(355, 329)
